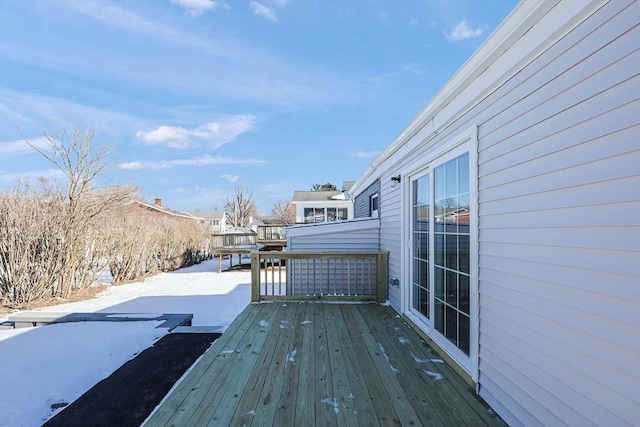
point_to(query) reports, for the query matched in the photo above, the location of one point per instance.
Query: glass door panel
(451, 247)
(420, 197)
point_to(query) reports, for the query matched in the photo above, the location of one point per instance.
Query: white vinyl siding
(355, 235)
(557, 109)
(558, 166)
(559, 231)
(391, 234)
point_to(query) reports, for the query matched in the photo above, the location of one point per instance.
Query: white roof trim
(519, 21)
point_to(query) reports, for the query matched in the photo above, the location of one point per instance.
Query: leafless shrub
(27, 249)
(143, 243)
(56, 238)
(42, 249)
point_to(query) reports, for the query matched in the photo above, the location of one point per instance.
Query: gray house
(511, 210)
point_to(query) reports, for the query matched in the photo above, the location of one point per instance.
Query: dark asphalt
(131, 393)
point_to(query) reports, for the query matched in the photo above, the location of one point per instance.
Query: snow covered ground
(45, 367)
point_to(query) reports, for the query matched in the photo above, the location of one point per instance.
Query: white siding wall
(390, 234)
(356, 235)
(559, 221)
(559, 231)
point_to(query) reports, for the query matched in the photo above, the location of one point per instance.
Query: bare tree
(56, 238)
(70, 148)
(240, 207)
(282, 213)
(324, 187)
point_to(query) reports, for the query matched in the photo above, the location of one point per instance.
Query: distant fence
(233, 241)
(272, 233)
(319, 275)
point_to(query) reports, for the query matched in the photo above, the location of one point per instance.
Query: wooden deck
(321, 364)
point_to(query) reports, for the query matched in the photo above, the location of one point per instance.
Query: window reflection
(420, 234)
(312, 215)
(452, 258)
(445, 216)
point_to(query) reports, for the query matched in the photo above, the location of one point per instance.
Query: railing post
(382, 279)
(255, 276)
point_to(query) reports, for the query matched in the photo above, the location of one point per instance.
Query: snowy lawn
(43, 367)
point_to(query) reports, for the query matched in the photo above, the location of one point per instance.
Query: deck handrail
(272, 233)
(313, 275)
(233, 241)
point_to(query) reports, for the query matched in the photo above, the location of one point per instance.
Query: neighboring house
(217, 220)
(511, 210)
(158, 209)
(322, 206)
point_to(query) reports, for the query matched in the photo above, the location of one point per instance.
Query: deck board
(323, 379)
(191, 395)
(321, 364)
(430, 395)
(394, 391)
(455, 389)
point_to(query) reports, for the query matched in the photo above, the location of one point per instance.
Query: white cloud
(208, 160)
(234, 62)
(179, 190)
(174, 137)
(131, 166)
(413, 22)
(279, 3)
(18, 147)
(381, 77)
(197, 7)
(230, 178)
(32, 176)
(264, 11)
(365, 154)
(215, 133)
(462, 31)
(414, 69)
(205, 160)
(42, 109)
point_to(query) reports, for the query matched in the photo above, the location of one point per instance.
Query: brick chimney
(158, 202)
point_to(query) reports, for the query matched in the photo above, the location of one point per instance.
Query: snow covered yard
(45, 367)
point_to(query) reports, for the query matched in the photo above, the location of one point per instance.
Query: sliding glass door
(440, 262)
(421, 291)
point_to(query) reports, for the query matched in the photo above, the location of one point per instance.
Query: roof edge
(520, 20)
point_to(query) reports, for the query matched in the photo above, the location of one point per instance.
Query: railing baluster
(341, 276)
(349, 275)
(328, 285)
(314, 278)
(273, 281)
(370, 264)
(335, 281)
(362, 275)
(280, 276)
(300, 279)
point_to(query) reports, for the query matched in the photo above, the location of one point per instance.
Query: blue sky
(203, 95)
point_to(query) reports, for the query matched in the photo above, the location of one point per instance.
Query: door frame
(466, 142)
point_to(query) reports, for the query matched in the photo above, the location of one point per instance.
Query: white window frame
(465, 142)
(374, 213)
